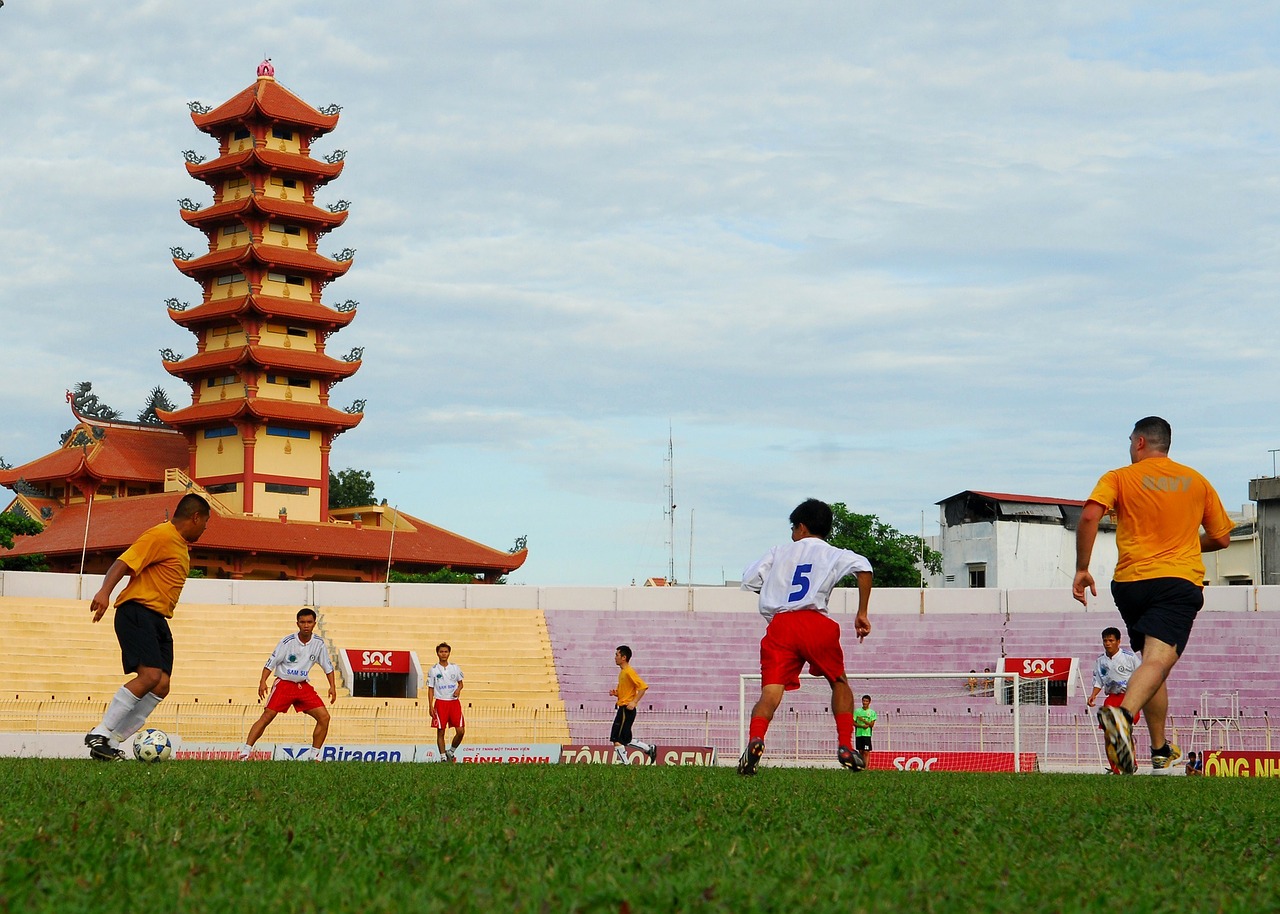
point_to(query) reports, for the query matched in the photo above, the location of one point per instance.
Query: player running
(1111, 672)
(292, 661)
(794, 582)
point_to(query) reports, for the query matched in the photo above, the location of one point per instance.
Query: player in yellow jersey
(1158, 585)
(157, 565)
(630, 690)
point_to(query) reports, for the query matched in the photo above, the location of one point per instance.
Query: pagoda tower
(259, 428)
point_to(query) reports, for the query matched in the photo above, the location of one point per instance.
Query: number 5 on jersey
(801, 582)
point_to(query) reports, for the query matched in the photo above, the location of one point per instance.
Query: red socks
(844, 729)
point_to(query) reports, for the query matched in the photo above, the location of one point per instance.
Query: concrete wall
(894, 601)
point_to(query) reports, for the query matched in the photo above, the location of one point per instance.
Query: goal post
(935, 721)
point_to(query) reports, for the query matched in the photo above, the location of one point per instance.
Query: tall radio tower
(670, 508)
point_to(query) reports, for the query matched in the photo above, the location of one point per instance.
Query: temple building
(257, 435)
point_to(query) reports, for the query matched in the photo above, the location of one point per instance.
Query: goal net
(924, 721)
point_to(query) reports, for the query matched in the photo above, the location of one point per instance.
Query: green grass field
(220, 836)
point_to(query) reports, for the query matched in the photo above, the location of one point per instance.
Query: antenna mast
(670, 509)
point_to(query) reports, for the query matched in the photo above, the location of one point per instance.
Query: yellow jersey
(629, 685)
(159, 562)
(1159, 507)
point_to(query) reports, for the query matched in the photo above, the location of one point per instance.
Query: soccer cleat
(448, 755)
(1119, 735)
(244, 753)
(1164, 758)
(100, 749)
(750, 757)
(652, 752)
(850, 758)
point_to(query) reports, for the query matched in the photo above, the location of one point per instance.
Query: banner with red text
(1226, 763)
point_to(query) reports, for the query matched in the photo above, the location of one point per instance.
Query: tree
(12, 525)
(894, 556)
(350, 489)
(157, 399)
(445, 575)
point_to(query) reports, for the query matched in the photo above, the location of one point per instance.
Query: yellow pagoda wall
(300, 507)
(212, 461)
(281, 389)
(294, 457)
(278, 334)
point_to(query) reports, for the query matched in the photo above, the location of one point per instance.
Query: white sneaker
(245, 753)
(448, 754)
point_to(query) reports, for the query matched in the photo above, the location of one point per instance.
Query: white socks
(121, 704)
(134, 720)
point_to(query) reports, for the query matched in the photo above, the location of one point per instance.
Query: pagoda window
(281, 134)
(236, 188)
(222, 488)
(284, 431)
(230, 230)
(220, 431)
(285, 182)
(292, 382)
(230, 278)
(287, 278)
(223, 380)
(279, 488)
(241, 134)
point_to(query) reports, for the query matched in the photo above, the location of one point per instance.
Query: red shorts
(796, 638)
(1114, 701)
(297, 695)
(448, 713)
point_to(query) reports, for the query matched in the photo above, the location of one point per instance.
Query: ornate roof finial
(265, 68)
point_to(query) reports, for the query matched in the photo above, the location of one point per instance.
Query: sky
(870, 252)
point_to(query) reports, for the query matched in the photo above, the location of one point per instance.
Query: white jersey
(1111, 674)
(443, 680)
(293, 660)
(800, 575)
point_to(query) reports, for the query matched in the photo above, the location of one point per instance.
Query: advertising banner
(363, 661)
(604, 754)
(523, 754)
(1038, 667)
(951, 761)
(1225, 763)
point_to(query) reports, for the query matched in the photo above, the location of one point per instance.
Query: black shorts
(622, 721)
(862, 743)
(144, 638)
(1164, 608)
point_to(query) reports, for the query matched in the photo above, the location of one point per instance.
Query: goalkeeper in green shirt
(864, 721)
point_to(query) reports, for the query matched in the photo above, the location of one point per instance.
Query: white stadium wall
(894, 601)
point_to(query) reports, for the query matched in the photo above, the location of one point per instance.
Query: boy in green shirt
(864, 721)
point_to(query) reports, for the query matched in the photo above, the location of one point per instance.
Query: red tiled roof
(265, 99)
(131, 454)
(267, 255)
(300, 360)
(259, 159)
(117, 522)
(303, 311)
(264, 205)
(308, 414)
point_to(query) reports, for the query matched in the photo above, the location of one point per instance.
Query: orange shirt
(1159, 506)
(629, 683)
(159, 560)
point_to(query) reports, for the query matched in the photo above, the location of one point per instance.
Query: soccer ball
(152, 746)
